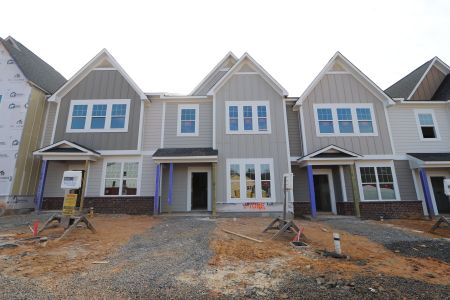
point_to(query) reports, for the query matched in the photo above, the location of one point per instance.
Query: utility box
(447, 187)
(71, 180)
(289, 179)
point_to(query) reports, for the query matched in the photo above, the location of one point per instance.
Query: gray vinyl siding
(337, 184)
(301, 192)
(204, 138)
(94, 180)
(151, 137)
(148, 176)
(55, 172)
(344, 88)
(179, 191)
(429, 85)
(348, 183)
(273, 145)
(405, 180)
(293, 124)
(50, 122)
(405, 132)
(102, 85)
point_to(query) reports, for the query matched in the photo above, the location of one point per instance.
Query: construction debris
(242, 236)
(442, 220)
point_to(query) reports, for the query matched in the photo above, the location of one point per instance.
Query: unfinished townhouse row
(353, 148)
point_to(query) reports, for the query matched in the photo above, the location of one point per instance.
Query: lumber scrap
(442, 220)
(242, 236)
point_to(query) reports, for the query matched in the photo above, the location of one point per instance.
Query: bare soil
(421, 226)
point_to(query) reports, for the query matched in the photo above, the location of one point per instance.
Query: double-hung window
(426, 124)
(250, 180)
(98, 115)
(377, 183)
(247, 117)
(346, 119)
(188, 118)
(121, 178)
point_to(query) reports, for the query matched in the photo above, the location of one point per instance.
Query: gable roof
(443, 91)
(331, 152)
(215, 75)
(407, 86)
(101, 60)
(258, 68)
(33, 67)
(67, 150)
(352, 69)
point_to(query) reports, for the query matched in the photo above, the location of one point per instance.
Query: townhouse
(25, 82)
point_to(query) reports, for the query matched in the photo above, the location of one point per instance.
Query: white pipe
(337, 243)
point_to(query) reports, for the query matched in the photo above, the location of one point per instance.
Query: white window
(120, 178)
(250, 180)
(377, 182)
(187, 124)
(345, 119)
(247, 117)
(98, 115)
(427, 125)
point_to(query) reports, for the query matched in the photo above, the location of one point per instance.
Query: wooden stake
(242, 236)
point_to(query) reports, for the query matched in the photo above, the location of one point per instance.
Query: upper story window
(187, 124)
(427, 125)
(345, 119)
(247, 117)
(98, 116)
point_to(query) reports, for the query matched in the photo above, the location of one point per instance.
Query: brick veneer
(372, 210)
(108, 205)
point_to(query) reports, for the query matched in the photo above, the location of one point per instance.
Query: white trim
(55, 122)
(288, 150)
(386, 115)
(303, 137)
(83, 72)
(141, 127)
(214, 123)
(163, 124)
(185, 159)
(343, 187)
(104, 69)
(329, 174)
(45, 123)
(196, 107)
(255, 128)
(120, 152)
(331, 147)
(419, 194)
(421, 78)
(70, 144)
(375, 165)
(88, 118)
(189, 185)
(246, 73)
(258, 191)
(121, 160)
(352, 106)
(419, 126)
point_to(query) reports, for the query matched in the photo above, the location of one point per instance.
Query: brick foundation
(372, 210)
(108, 205)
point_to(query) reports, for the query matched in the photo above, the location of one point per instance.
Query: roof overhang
(185, 155)
(421, 162)
(330, 155)
(186, 159)
(66, 150)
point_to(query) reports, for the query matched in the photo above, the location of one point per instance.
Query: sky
(170, 45)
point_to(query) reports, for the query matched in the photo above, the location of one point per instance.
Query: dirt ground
(73, 254)
(421, 226)
(366, 258)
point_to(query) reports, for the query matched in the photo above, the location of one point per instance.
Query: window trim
(243, 181)
(255, 125)
(90, 104)
(375, 165)
(197, 111)
(353, 107)
(121, 161)
(435, 125)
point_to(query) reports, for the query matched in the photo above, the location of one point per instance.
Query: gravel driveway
(401, 241)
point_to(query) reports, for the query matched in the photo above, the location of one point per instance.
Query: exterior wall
(405, 180)
(273, 145)
(50, 118)
(293, 123)
(406, 135)
(204, 138)
(148, 178)
(344, 88)
(429, 85)
(94, 179)
(27, 167)
(102, 85)
(151, 135)
(53, 180)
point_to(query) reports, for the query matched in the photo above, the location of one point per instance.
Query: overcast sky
(169, 46)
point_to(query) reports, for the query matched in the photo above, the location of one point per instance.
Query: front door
(442, 200)
(199, 197)
(322, 192)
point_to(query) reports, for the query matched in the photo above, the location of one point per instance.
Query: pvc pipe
(337, 243)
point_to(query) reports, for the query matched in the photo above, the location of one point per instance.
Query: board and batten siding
(102, 84)
(94, 179)
(55, 173)
(51, 108)
(251, 88)
(405, 180)
(405, 132)
(429, 85)
(293, 124)
(204, 138)
(151, 136)
(344, 88)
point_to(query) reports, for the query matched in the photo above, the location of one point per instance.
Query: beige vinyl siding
(55, 172)
(179, 191)
(293, 124)
(204, 138)
(148, 176)
(273, 145)
(51, 108)
(405, 180)
(102, 85)
(95, 177)
(344, 88)
(153, 114)
(429, 85)
(405, 133)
